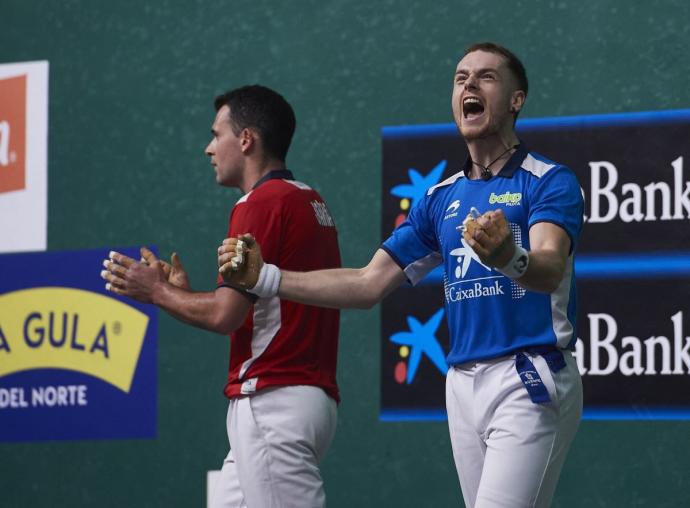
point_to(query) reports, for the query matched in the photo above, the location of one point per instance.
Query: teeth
(469, 100)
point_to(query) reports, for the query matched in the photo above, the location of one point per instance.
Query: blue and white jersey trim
(562, 326)
(538, 167)
(448, 181)
(419, 269)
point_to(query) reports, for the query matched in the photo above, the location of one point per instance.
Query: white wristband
(517, 266)
(268, 282)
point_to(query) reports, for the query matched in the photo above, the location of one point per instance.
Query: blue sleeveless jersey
(490, 315)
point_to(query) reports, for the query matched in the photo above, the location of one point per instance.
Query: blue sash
(528, 373)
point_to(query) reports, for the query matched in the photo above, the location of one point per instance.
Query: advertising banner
(632, 265)
(76, 362)
(23, 156)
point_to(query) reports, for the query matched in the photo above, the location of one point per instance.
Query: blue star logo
(465, 255)
(422, 341)
(419, 184)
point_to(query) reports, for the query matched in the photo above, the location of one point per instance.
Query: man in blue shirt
(505, 228)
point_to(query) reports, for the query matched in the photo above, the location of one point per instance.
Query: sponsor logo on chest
(477, 290)
(452, 210)
(507, 198)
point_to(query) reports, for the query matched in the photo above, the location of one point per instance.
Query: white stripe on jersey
(447, 181)
(266, 322)
(243, 198)
(297, 184)
(417, 271)
(562, 327)
(535, 166)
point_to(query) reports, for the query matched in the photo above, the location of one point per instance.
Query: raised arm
(336, 288)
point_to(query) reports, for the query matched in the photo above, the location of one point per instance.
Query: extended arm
(360, 288)
(336, 288)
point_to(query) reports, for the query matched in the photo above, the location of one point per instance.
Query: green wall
(131, 87)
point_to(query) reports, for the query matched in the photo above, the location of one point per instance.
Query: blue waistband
(553, 356)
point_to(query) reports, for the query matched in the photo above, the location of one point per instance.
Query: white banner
(23, 156)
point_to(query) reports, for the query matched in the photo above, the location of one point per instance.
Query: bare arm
(221, 311)
(549, 248)
(241, 264)
(360, 288)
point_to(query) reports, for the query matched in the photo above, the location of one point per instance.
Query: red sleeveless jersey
(283, 342)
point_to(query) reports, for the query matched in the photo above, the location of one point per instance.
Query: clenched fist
(490, 237)
(240, 261)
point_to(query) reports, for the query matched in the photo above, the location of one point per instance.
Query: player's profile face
(224, 150)
(483, 95)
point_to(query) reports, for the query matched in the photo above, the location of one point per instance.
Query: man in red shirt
(281, 382)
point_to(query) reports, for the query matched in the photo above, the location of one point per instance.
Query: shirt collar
(509, 167)
(275, 174)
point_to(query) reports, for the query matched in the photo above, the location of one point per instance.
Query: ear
(517, 101)
(247, 140)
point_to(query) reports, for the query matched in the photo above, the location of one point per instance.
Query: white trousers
(277, 438)
(508, 450)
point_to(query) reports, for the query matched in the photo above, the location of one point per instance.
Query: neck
(256, 170)
(491, 153)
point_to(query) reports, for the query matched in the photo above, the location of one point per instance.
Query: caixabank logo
(75, 362)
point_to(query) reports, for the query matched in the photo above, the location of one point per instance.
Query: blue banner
(76, 362)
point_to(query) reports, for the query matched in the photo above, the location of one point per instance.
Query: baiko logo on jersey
(507, 198)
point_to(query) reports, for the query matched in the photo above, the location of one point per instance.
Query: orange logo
(12, 134)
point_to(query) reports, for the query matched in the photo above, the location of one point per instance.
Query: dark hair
(258, 107)
(513, 62)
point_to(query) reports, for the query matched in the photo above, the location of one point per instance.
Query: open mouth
(472, 108)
